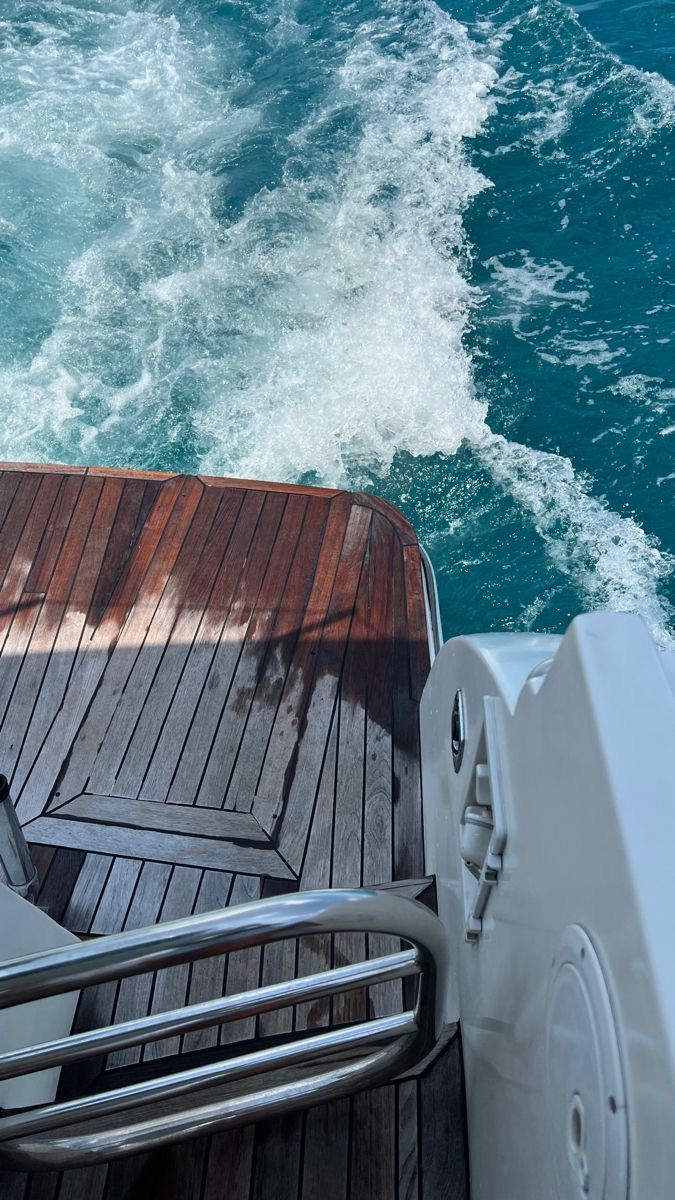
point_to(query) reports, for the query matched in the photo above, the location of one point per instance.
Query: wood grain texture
(209, 692)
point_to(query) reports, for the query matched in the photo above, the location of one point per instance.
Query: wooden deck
(209, 692)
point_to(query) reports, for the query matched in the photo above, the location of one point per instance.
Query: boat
(299, 899)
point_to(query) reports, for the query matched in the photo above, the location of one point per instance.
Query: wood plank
(9, 482)
(316, 953)
(199, 744)
(192, 616)
(276, 1158)
(243, 966)
(44, 562)
(443, 1129)
(266, 486)
(40, 502)
(150, 604)
(373, 1148)
(401, 526)
(349, 793)
(278, 965)
(407, 784)
(135, 992)
(116, 899)
(141, 814)
(57, 885)
(43, 468)
(87, 893)
(157, 846)
(408, 1141)
(207, 977)
(302, 758)
(385, 998)
(233, 722)
(177, 726)
(418, 638)
(279, 654)
(281, 747)
(229, 1167)
(97, 1004)
(146, 572)
(66, 644)
(18, 614)
(84, 1181)
(325, 1173)
(135, 498)
(15, 517)
(170, 987)
(76, 509)
(179, 1170)
(132, 697)
(13, 1185)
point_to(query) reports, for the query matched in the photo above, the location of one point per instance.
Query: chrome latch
(482, 831)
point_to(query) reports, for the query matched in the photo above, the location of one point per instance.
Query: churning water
(421, 248)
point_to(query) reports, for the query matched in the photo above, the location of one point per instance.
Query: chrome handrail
(410, 1034)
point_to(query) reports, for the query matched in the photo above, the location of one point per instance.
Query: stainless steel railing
(152, 1112)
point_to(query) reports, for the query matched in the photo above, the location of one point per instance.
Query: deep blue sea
(423, 248)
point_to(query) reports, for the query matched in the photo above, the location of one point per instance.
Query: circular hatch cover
(585, 1096)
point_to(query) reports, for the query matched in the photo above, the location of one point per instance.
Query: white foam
(609, 557)
(368, 360)
(524, 285)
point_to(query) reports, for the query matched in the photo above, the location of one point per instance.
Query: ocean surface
(422, 248)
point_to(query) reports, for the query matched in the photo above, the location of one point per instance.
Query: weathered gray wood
(315, 953)
(171, 985)
(276, 1158)
(408, 1149)
(207, 977)
(278, 964)
(89, 1182)
(114, 904)
(374, 1169)
(57, 884)
(243, 967)
(134, 994)
(157, 846)
(229, 1167)
(141, 814)
(443, 1129)
(87, 892)
(325, 1174)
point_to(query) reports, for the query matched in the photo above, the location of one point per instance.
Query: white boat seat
(25, 929)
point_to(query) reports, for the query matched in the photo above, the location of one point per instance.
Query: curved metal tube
(358, 910)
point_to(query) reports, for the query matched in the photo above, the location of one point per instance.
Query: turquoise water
(420, 248)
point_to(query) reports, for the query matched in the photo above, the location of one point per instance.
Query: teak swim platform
(209, 694)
